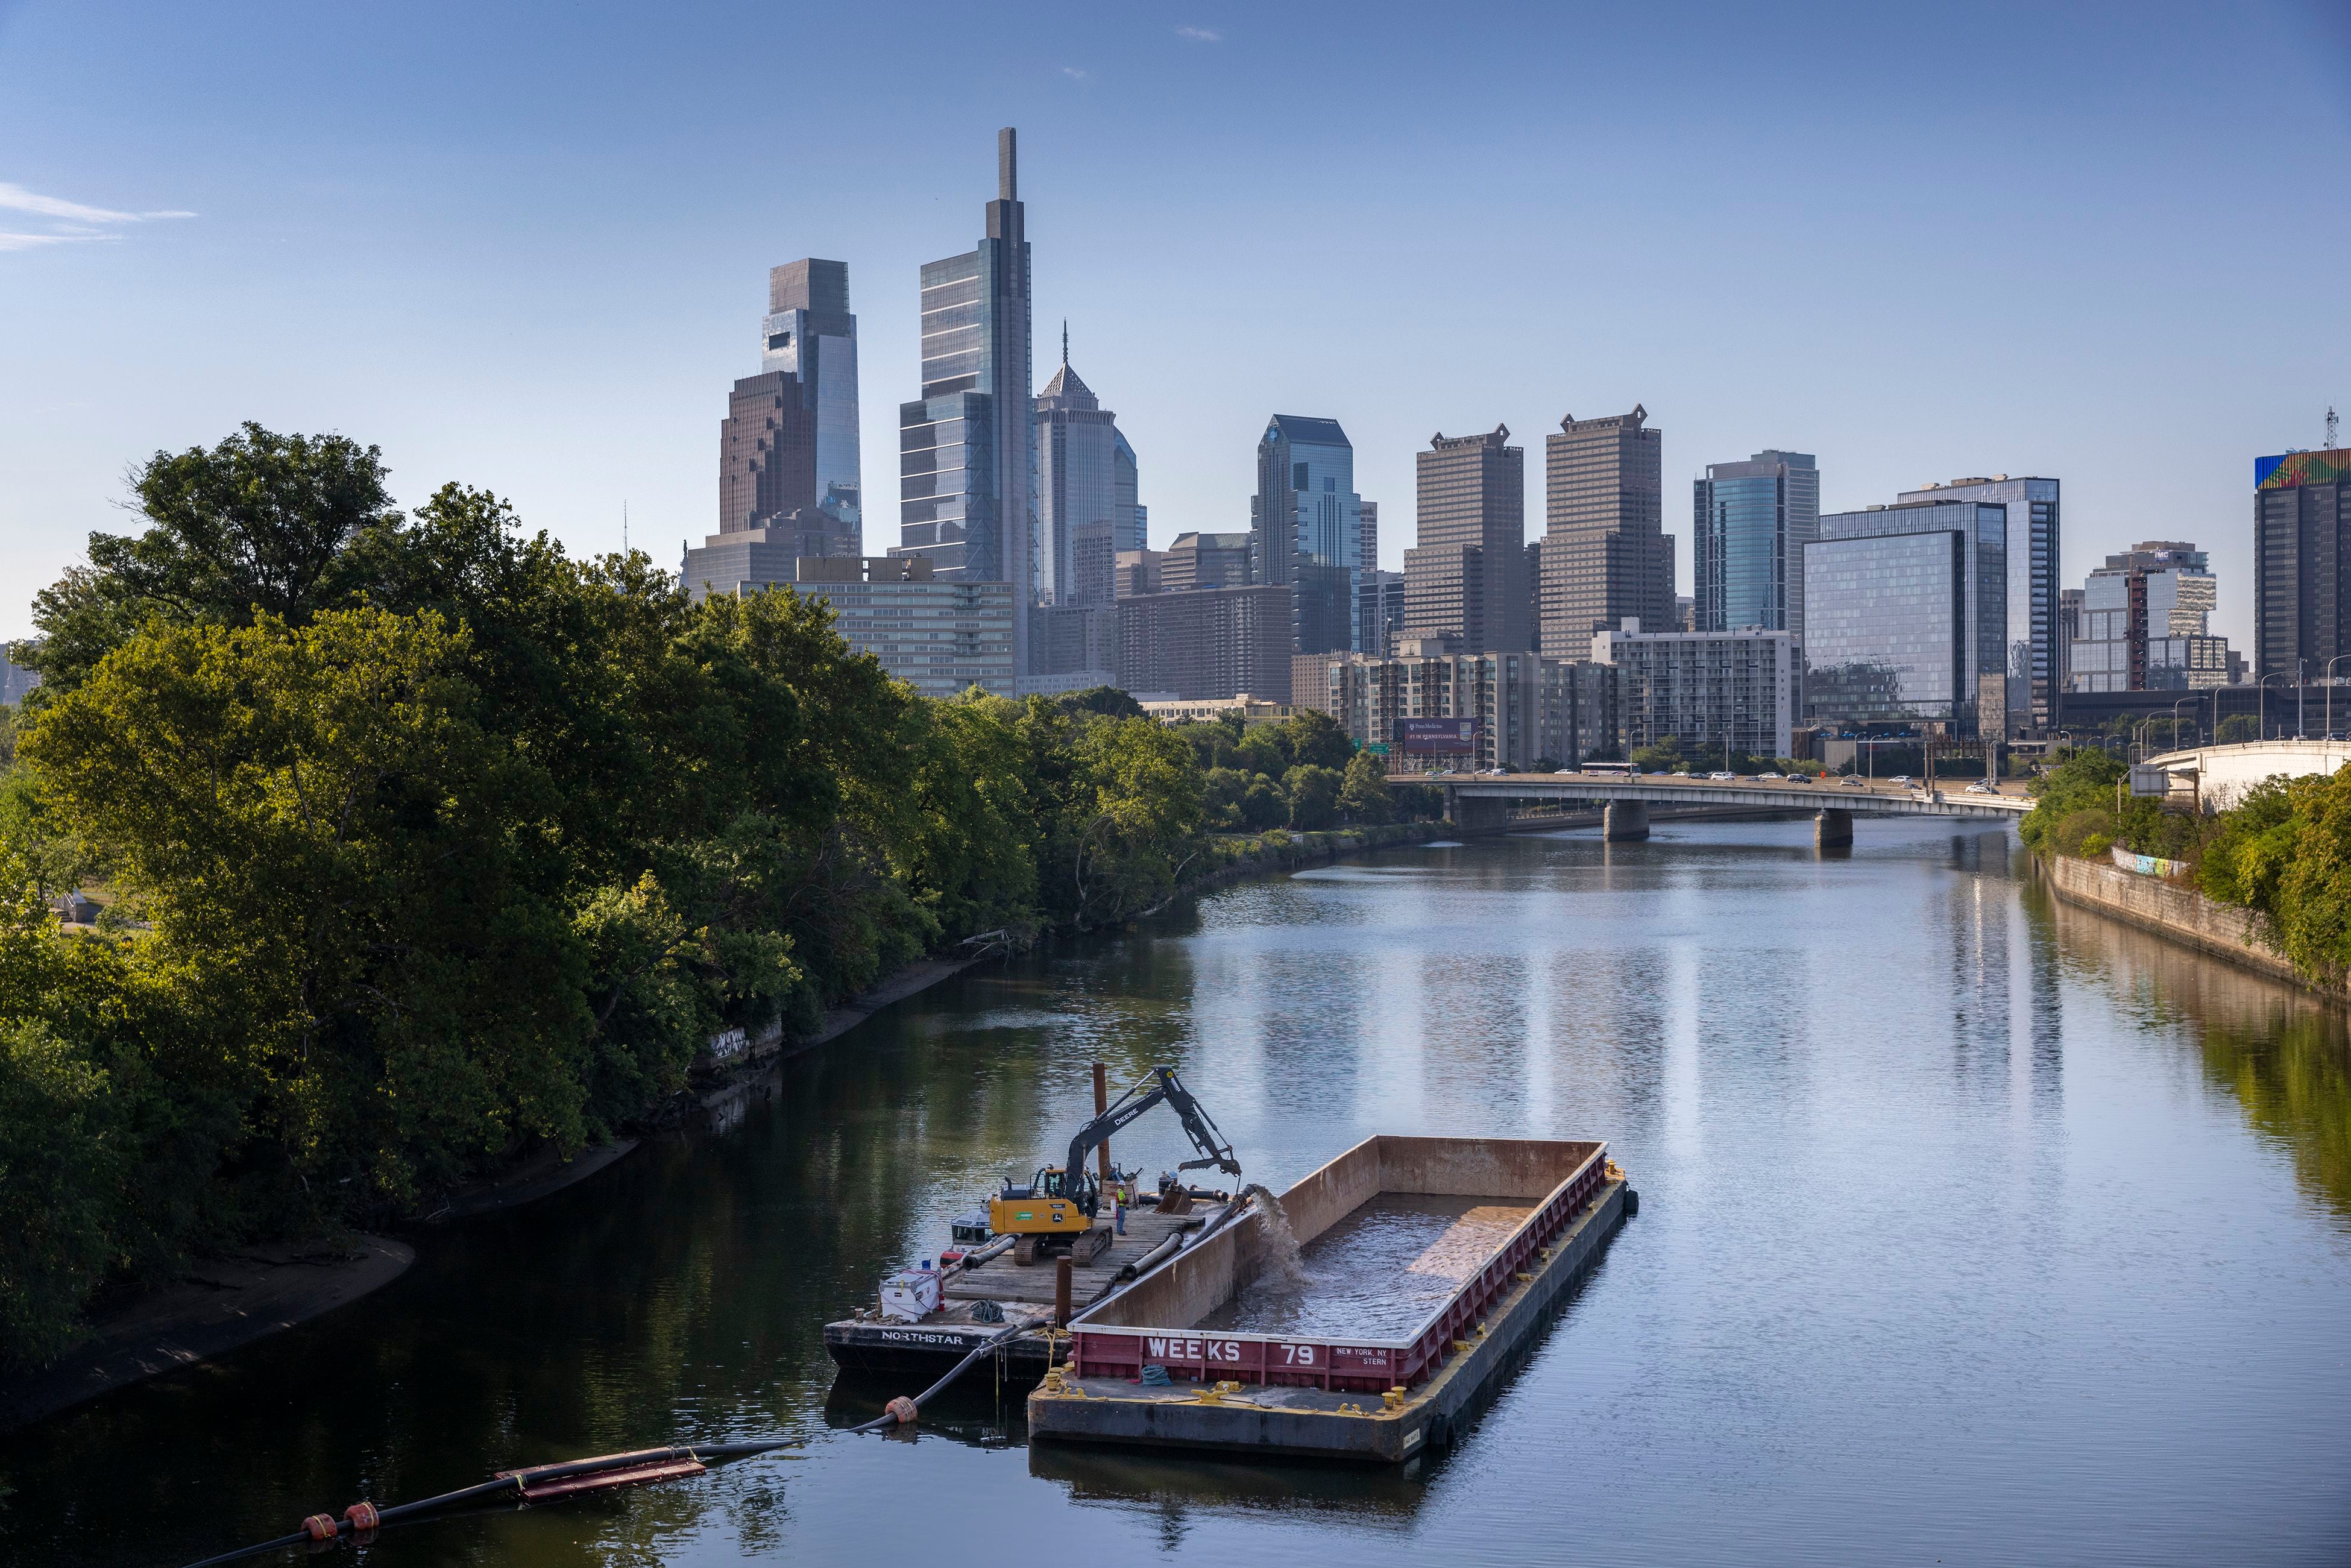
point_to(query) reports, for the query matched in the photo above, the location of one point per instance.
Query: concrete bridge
(1474, 801)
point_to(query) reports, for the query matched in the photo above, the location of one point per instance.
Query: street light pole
(2301, 689)
(2330, 691)
(2262, 706)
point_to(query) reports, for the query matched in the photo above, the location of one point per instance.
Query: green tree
(1108, 701)
(1264, 749)
(2237, 729)
(1363, 794)
(260, 523)
(1313, 796)
(1140, 806)
(1264, 805)
(61, 1179)
(1316, 739)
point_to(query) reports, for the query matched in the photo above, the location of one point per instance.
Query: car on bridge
(1721, 777)
(1851, 782)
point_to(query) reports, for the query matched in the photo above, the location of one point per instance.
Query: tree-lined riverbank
(423, 846)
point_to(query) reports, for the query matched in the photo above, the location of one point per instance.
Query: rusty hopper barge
(1192, 1355)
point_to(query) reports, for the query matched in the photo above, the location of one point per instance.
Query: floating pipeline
(576, 1478)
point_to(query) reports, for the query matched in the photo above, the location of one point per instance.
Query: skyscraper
(1085, 474)
(2031, 587)
(966, 450)
(2302, 543)
(1751, 522)
(1605, 553)
(1465, 578)
(809, 333)
(2142, 623)
(1306, 527)
(1905, 619)
(1128, 514)
(787, 455)
(1369, 512)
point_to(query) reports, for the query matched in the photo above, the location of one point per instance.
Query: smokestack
(1007, 166)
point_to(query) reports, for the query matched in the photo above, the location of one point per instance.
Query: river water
(1973, 1229)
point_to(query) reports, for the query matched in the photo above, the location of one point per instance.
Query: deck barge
(1375, 1397)
(866, 1343)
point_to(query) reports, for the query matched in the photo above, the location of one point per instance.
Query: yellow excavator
(1055, 1212)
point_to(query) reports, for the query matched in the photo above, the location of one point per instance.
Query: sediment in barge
(1366, 1397)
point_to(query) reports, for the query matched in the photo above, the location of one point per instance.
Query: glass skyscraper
(1752, 521)
(967, 449)
(1306, 527)
(2032, 658)
(809, 332)
(1906, 612)
(1085, 474)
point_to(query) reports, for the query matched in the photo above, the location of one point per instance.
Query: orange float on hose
(319, 1527)
(362, 1516)
(903, 1408)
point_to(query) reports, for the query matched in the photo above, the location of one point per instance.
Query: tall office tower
(1306, 527)
(2143, 624)
(1370, 516)
(2302, 546)
(767, 459)
(1082, 466)
(1204, 561)
(1905, 617)
(1130, 515)
(809, 332)
(966, 450)
(2031, 587)
(1751, 522)
(1605, 552)
(1465, 578)
(1379, 612)
(1093, 563)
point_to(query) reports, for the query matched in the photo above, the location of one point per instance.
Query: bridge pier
(1833, 830)
(1475, 813)
(1625, 822)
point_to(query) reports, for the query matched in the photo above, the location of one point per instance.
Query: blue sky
(526, 247)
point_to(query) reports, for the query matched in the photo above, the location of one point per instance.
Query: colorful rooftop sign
(2292, 470)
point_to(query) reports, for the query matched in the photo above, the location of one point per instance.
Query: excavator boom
(1160, 1085)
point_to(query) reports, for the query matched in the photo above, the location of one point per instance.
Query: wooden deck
(1001, 1279)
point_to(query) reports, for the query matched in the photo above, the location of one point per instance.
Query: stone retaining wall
(2174, 910)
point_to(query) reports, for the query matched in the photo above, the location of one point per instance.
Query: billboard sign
(1438, 737)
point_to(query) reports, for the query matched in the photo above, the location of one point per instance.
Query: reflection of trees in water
(2282, 1052)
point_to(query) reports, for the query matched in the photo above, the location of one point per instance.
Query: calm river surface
(1973, 1230)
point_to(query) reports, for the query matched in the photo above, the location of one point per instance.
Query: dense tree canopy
(422, 844)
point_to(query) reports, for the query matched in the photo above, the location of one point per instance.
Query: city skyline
(2151, 417)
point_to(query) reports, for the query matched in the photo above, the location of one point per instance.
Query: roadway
(1879, 797)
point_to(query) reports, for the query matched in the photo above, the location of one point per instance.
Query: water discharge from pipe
(1281, 1272)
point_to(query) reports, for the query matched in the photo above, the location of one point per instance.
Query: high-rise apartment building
(1704, 689)
(1209, 642)
(1605, 553)
(2144, 624)
(1370, 516)
(2031, 551)
(809, 332)
(1306, 527)
(1524, 709)
(967, 449)
(1905, 616)
(1085, 474)
(1751, 522)
(2301, 561)
(1465, 578)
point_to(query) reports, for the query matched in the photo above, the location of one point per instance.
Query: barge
(1018, 1294)
(1472, 1238)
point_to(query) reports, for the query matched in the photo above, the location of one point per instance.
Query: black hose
(513, 1486)
(991, 1343)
